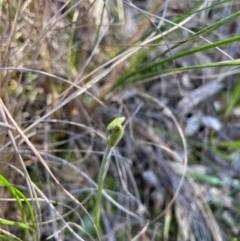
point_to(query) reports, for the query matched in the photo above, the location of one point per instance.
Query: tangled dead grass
(60, 62)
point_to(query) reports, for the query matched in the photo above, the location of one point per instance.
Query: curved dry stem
(169, 113)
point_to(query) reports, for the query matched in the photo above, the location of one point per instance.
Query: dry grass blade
(207, 214)
(185, 231)
(36, 153)
(8, 234)
(185, 159)
(32, 192)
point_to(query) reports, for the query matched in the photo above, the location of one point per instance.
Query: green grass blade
(200, 49)
(3, 237)
(18, 195)
(158, 73)
(15, 224)
(234, 99)
(212, 180)
(190, 52)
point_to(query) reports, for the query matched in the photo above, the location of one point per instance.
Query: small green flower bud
(115, 131)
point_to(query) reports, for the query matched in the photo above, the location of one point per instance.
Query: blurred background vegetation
(68, 67)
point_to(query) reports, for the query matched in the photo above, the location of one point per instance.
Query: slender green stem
(101, 177)
(114, 134)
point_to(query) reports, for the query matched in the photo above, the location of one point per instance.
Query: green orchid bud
(115, 131)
